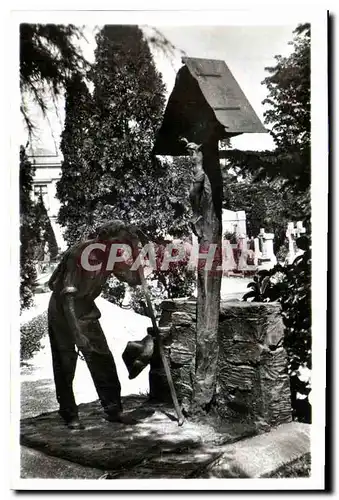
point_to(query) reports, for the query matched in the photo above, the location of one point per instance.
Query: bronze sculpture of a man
(73, 321)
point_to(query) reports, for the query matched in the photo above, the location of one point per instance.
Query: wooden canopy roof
(206, 101)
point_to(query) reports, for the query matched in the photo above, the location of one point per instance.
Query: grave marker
(205, 106)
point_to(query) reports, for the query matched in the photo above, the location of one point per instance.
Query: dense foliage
(114, 291)
(287, 117)
(77, 184)
(107, 144)
(48, 57)
(29, 232)
(45, 233)
(273, 187)
(266, 203)
(35, 231)
(31, 334)
(128, 101)
(291, 286)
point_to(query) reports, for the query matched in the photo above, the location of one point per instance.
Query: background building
(47, 173)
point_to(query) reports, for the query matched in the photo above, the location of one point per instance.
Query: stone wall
(252, 384)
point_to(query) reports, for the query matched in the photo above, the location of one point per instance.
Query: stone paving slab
(262, 455)
(37, 465)
(156, 447)
(120, 448)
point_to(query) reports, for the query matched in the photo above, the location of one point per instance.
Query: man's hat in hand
(137, 355)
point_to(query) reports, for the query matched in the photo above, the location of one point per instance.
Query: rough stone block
(179, 347)
(252, 380)
(252, 384)
(168, 307)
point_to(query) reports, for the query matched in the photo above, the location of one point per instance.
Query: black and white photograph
(168, 239)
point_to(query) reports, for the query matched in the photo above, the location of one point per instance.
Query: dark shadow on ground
(155, 447)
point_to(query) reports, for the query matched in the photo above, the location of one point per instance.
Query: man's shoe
(122, 418)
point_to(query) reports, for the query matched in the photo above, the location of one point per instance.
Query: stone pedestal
(252, 384)
(178, 329)
(268, 248)
(257, 251)
(233, 222)
(242, 263)
(292, 234)
(267, 259)
(228, 262)
(252, 380)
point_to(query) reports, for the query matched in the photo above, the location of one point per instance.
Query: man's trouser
(99, 361)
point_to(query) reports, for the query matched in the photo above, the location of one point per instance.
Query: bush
(282, 253)
(157, 295)
(301, 467)
(231, 237)
(28, 232)
(291, 286)
(31, 334)
(177, 282)
(114, 291)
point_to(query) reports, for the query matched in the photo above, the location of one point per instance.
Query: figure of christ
(197, 186)
(73, 321)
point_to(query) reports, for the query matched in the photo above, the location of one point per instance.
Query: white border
(276, 16)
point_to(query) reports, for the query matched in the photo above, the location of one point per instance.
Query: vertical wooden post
(209, 283)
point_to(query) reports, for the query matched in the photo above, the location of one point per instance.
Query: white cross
(295, 231)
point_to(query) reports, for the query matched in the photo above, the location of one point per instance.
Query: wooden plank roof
(206, 96)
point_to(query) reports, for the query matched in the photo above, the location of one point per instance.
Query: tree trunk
(209, 282)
